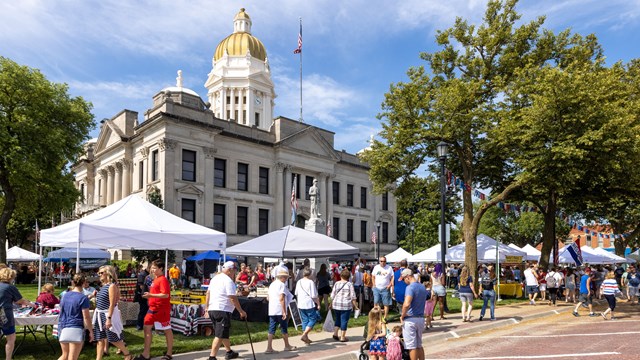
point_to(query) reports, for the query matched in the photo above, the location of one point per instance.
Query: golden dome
(241, 40)
(238, 43)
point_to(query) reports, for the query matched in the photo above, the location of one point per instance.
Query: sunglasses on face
(101, 273)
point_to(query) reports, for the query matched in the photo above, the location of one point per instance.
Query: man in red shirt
(159, 313)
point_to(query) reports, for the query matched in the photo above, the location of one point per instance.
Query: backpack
(634, 280)
(551, 280)
(486, 281)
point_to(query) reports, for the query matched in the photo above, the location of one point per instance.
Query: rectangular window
(228, 100)
(236, 100)
(220, 173)
(363, 197)
(257, 119)
(141, 175)
(263, 221)
(244, 99)
(83, 197)
(228, 114)
(363, 231)
(154, 165)
(220, 217)
(189, 210)
(244, 117)
(350, 230)
(336, 228)
(385, 232)
(263, 181)
(188, 165)
(349, 195)
(235, 113)
(308, 183)
(385, 201)
(336, 193)
(243, 177)
(241, 228)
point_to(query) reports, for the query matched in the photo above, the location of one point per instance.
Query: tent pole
(39, 264)
(78, 258)
(166, 262)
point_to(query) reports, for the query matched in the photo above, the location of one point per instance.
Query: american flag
(294, 201)
(374, 237)
(298, 50)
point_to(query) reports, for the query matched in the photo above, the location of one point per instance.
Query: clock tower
(239, 85)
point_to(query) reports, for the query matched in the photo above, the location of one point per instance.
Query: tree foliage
(42, 129)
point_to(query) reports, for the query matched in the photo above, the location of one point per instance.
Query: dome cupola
(241, 41)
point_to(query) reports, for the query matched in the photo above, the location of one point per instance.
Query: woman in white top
(308, 303)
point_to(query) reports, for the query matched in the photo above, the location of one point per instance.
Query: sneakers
(231, 355)
(493, 319)
(480, 318)
(575, 313)
(212, 358)
(603, 316)
(593, 315)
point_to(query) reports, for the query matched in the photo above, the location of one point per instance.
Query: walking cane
(249, 333)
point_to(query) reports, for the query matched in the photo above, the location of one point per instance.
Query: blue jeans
(488, 296)
(308, 317)
(341, 318)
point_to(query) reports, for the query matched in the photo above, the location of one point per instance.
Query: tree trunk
(7, 212)
(548, 234)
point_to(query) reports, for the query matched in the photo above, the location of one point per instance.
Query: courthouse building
(227, 164)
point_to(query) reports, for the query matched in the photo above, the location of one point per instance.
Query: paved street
(559, 337)
(521, 332)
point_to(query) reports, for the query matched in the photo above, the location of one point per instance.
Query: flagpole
(300, 53)
(40, 253)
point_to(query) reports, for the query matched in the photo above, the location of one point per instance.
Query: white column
(232, 104)
(110, 184)
(118, 182)
(126, 177)
(103, 187)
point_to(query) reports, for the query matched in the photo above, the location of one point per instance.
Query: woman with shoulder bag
(308, 303)
(343, 299)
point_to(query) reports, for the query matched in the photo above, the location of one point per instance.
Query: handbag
(328, 325)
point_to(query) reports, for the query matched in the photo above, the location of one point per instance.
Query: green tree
(572, 126)
(42, 129)
(458, 104)
(418, 203)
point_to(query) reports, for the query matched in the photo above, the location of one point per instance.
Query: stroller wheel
(363, 357)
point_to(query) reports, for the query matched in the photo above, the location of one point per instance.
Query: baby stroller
(364, 349)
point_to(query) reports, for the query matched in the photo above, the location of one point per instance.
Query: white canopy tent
(589, 256)
(292, 242)
(16, 254)
(72, 253)
(635, 255)
(533, 254)
(431, 255)
(134, 223)
(486, 251)
(397, 255)
(615, 258)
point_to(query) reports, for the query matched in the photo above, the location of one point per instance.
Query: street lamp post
(443, 149)
(378, 223)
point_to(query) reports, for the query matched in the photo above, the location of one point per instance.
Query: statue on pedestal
(314, 195)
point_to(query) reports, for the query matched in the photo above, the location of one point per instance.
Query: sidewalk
(324, 347)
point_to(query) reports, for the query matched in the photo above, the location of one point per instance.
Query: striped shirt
(609, 287)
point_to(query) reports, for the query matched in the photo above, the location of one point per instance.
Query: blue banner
(576, 254)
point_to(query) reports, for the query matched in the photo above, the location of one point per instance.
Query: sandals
(128, 356)
(336, 338)
(344, 339)
(292, 348)
(140, 357)
(271, 352)
(306, 340)
(166, 357)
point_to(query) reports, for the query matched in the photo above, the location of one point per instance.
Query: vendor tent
(615, 258)
(17, 254)
(293, 242)
(486, 251)
(397, 255)
(134, 223)
(432, 255)
(208, 255)
(533, 254)
(588, 256)
(635, 255)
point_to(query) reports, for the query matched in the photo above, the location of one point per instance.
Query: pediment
(309, 141)
(109, 135)
(191, 190)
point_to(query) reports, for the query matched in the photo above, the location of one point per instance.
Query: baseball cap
(405, 273)
(229, 265)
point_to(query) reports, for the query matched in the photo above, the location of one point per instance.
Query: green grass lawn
(39, 350)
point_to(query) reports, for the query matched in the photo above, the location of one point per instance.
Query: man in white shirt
(383, 285)
(531, 279)
(220, 301)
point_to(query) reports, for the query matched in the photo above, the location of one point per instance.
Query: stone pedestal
(316, 225)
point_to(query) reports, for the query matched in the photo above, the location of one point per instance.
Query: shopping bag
(328, 323)
(356, 313)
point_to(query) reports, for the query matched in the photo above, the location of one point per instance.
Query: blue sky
(118, 54)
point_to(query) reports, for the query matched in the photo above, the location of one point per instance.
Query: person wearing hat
(279, 298)
(586, 294)
(220, 302)
(412, 315)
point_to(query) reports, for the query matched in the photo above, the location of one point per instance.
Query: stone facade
(232, 175)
